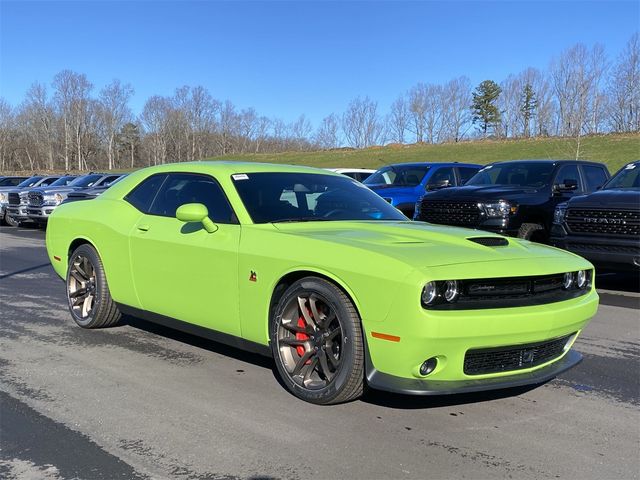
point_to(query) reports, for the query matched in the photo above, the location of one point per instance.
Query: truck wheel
(531, 231)
(316, 341)
(90, 301)
(12, 222)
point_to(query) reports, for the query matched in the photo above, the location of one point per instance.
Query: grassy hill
(613, 150)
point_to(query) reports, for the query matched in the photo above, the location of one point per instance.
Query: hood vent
(490, 241)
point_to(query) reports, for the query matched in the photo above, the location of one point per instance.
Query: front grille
(36, 199)
(590, 247)
(449, 212)
(14, 198)
(516, 357)
(598, 222)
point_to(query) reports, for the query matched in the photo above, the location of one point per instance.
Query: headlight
(567, 280)
(451, 291)
(582, 279)
(559, 214)
(3, 198)
(499, 209)
(56, 198)
(429, 293)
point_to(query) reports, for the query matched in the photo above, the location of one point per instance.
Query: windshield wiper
(301, 219)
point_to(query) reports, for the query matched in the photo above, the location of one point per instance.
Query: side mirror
(437, 185)
(196, 212)
(567, 186)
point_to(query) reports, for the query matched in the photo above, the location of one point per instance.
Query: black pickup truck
(515, 198)
(604, 227)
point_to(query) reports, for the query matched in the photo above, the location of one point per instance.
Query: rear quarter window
(142, 196)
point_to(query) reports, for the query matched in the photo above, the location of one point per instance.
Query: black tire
(97, 310)
(12, 222)
(346, 382)
(531, 231)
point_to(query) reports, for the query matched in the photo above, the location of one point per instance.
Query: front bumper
(603, 251)
(17, 212)
(40, 213)
(415, 386)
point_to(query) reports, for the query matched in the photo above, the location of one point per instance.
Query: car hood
(417, 243)
(481, 192)
(627, 198)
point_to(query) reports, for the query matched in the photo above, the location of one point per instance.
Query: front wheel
(12, 222)
(90, 301)
(316, 340)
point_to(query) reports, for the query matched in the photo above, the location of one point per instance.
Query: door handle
(142, 228)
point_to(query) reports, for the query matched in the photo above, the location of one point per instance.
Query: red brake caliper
(301, 336)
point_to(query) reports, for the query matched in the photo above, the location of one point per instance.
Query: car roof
(546, 160)
(429, 164)
(230, 167)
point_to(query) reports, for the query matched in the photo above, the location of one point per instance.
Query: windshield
(628, 177)
(398, 176)
(303, 197)
(29, 182)
(85, 181)
(521, 174)
(62, 181)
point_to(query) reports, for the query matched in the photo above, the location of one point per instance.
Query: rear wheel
(316, 340)
(90, 301)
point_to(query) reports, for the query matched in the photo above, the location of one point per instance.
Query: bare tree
(509, 105)
(624, 88)
(327, 134)
(7, 127)
(398, 119)
(456, 115)
(155, 119)
(114, 114)
(360, 123)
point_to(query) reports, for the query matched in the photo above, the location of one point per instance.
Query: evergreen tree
(528, 106)
(483, 107)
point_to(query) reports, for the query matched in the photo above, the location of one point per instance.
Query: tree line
(71, 126)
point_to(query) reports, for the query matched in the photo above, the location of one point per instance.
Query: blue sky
(288, 58)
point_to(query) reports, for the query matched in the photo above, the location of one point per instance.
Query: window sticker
(631, 166)
(240, 176)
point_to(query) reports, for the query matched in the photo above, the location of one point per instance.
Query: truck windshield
(628, 177)
(397, 176)
(29, 182)
(521, 174)
(85, 181)
(309, 197)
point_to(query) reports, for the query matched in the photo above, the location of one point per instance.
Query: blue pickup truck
(403, 184)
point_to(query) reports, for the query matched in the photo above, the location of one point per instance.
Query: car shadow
(199, 342)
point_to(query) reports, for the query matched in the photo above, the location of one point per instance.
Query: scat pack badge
(253, 277)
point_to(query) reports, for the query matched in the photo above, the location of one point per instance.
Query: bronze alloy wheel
(81, 287)
(310, 341)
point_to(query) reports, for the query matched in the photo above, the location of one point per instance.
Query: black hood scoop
(490, 241)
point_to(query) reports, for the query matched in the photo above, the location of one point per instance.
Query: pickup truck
(515, 198)
(604, 226)
(403, 184)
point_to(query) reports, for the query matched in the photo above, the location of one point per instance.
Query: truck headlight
(499, 209)
(560, 213)
(3, 198)
(58, 197)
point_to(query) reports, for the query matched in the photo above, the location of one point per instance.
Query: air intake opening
(490, 241)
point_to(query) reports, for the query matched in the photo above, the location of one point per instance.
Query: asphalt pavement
(143, 401)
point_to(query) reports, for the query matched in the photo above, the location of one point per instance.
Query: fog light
(451, 292)
(582, 279)
(428, 366)
(429, 293)
(567, 280)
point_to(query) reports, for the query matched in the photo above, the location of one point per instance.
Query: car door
(179, 269)
(595, 176)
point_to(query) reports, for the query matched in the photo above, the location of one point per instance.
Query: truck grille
(516, 357)
(14, 198)
(36, 199)
(449, 213)
(598, 222)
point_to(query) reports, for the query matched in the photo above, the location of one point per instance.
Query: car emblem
(617, 221)
(527, 356)
(253, 277)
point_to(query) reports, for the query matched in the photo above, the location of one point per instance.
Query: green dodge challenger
(317, 271)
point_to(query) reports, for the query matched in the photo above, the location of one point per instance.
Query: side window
(142, 196)
(109, 180)
(181, 188)
(442, 175)
(594, 177)
(567, 174)
(466, 173)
